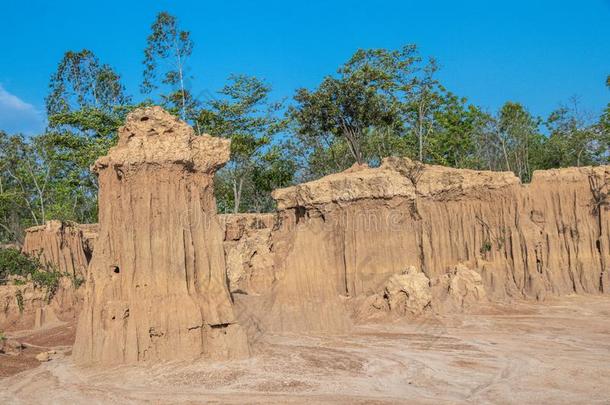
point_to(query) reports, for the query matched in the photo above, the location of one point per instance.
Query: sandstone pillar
(157, 286)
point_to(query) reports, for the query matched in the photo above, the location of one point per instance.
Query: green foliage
(453, 140)
(82, 81)
(379, 103)
(165, 56)
(385, 103)
(47, 280)
(486, 247)
(13, 262)
(348, 107)
(27, 170)
(273, 170)
(573, 140)
(86, 105)
(77, 281)
(2, 336)
(45, 177)
(244, 114)
(519, 139)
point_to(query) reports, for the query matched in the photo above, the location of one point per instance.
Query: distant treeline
(379, 103)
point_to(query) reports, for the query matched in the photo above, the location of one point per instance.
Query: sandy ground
(557, 352)
(58, 337)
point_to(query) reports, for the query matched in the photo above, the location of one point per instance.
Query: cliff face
(342, 237)
(157, 285)
(247, 246)
(66, 246)
(364, 244)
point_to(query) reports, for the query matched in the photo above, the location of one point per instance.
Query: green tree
(348, 107)
(519, 138)
(274, 169)
(11, 204)
(86, 105)
(244, 114)
(603, 127)
(455, 133)
(167, 51)
(421, 107)
(32, 182)
(381, 103)
(573, 138)
(489, 150)
(81, 81)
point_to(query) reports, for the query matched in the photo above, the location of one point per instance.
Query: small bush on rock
(13, 262)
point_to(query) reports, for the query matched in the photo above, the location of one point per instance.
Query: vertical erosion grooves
(157, 287)
(346, 234)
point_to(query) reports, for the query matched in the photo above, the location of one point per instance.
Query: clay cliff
(63, 247)
(247, 246)
(171, 279)
(66, 246)
(341, 239)
(157, 288)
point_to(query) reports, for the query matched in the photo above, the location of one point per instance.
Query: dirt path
(59, 338)
(556, 352)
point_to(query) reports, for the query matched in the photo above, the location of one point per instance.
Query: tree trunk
(237, 188)
(352, 142)
(180, 76)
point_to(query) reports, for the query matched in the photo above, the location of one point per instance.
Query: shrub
(49, 280)
(77, 281)
(486, 247)
(13, 262)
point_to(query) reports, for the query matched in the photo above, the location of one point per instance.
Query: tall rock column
(157, 286)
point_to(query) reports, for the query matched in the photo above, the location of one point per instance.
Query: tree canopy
(379, 103)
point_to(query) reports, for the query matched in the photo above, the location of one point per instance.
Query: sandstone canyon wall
(344, 241)
(157, 286)
(171, 279)
(66, 246)
(248, 251)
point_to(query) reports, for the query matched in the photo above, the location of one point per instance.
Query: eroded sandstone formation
(64, 245)
(247, 246)
(366, 244)
(342, 238)
(19, 305)
(157, 286)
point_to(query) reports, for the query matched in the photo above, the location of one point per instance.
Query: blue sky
(539, 53)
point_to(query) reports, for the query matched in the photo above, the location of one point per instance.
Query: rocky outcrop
(345, 235)
(157, 286)
(247, 246)
(398, 240)
(408, 292)
(20, 304)
(66, 246)
(460, 288)
(26, 305)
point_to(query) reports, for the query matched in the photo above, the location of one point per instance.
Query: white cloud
(18, 116)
